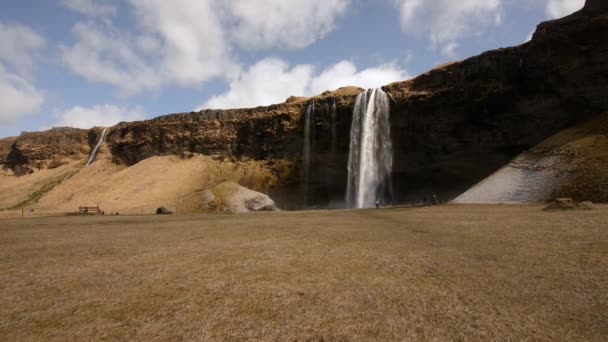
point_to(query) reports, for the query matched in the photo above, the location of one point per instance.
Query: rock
(296, 99)
(260, 203)
(161, 211)
(238, 199)
(585, 205)
(36, 150)
(568, 204)
(596, 5)
(561, 204)
(208, 199)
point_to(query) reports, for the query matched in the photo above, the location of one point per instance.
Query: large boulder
(209, 200)
(232, 197)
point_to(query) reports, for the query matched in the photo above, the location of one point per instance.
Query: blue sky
(85, 63)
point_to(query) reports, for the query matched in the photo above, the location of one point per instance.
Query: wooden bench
(88, 210)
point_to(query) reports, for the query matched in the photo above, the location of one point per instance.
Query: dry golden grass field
(448, 273)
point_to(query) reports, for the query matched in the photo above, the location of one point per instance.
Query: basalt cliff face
(464, 120)
(40, 150)
(451, 127)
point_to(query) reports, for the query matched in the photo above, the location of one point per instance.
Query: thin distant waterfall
(370, 161)
(96, 149)
(333, 127)
(309, 122)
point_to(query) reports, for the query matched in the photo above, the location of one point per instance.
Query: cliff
(41, 150)
(461, 122)
(451, 127)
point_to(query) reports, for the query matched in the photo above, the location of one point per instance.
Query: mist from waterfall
(309, 122)
(370, 160)
(96, 149)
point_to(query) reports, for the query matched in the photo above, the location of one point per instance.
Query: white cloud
(272, 81)
(188, 43)
(445, 22)
(102, 54)
(194, 46)
(560, 8)
(179, 43)
(285, 24)
(90, 7)
(18, 54)
(269, 81)
(19, 47)
(100, 115)
(345, 74)
(18, 97)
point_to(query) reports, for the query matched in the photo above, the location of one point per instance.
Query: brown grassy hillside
(168, 181)
(584, 157)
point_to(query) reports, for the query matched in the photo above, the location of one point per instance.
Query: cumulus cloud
(560, 8)
(178, 43)
(188, 43)
(194, 44)
(19, 48)
(284, 24)
(90, 7)
(269, 81)
(345, 73)
(272, 81)
(18, 53)
(445, 22)
(19, 97)
(99, 115)
(105, 55)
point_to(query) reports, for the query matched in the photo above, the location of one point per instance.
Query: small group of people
(434, 201)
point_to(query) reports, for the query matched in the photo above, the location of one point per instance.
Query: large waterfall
(96, 149)
(370, 161)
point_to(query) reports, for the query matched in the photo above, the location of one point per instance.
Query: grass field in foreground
(459, 273)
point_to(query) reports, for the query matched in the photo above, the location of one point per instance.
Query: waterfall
(370, 160)
(96, 149)
(309, 122)
(333, 127)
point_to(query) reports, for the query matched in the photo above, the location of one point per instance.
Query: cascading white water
(308, 135)
(96, 149)
(333, 127)
(370, 160)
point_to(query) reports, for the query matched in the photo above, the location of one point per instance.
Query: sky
(85, 63)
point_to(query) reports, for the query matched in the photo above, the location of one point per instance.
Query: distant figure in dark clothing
(377, 204)
(434, 199)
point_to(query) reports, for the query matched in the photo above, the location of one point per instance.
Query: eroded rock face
(36, 150)
(463, 121)
(5, 148)
(596, 5)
